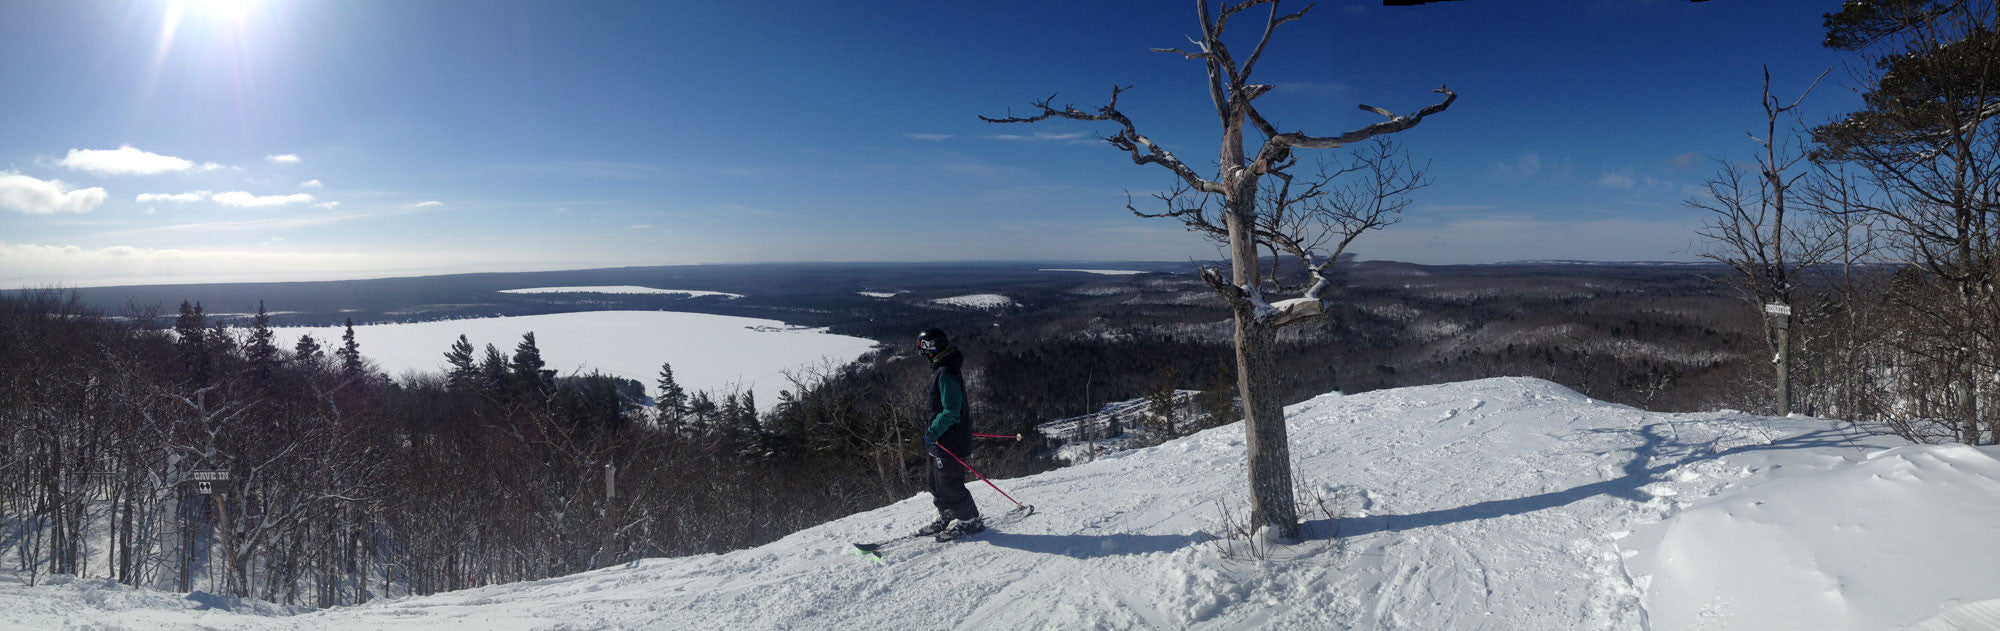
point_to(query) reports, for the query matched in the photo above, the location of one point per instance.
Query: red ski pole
(1015, 437)
(982, 476)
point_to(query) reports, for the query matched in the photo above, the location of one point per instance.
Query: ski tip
(868, 551)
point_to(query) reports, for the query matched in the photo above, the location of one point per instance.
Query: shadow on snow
(1637, 474)
(1095, 546)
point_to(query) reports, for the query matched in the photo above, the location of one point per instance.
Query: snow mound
(977, 301)
(1498, 504)
(1877, 544)
(620, 289)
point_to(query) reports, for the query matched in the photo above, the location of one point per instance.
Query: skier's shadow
(1094, 546)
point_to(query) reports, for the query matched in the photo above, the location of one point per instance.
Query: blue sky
(262, 140)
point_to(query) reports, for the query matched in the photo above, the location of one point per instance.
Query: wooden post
(1779, 318)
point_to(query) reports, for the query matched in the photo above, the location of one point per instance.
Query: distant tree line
(344, 485)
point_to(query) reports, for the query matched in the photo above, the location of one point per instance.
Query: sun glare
(233, 10)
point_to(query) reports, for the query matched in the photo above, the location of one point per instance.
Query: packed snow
(977, 301)
(879, 294)
(1507, 503)
(1101, 272)
(619, 289)
(708, 352)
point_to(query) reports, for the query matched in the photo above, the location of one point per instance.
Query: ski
(874, 550)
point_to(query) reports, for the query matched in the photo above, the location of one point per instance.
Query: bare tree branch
(1277, 145)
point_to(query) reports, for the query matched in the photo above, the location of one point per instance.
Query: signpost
(1779, 315)
(204, 483)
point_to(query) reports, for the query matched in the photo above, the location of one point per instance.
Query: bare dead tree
(1234, 192)
(1748, 230)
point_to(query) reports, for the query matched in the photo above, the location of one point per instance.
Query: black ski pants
(948, 492)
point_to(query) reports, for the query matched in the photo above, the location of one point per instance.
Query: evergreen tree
(672, 402)
(307, 351)
(191, 345)
(1162, 407)
(701, 412)
(350, 354)
(493, 371)
(221, 346)
(261, 352)
(464, 373)
(747, 413)
(528, 365)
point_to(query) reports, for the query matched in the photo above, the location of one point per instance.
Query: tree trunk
(1264, 427)
(1784, 344)
(1256, 369)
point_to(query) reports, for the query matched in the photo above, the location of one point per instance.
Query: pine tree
(261, 352)
(672, 402)
(747, 413)
(191, 345)
(464, 373)
(1163, 406)
(221, 346)
(308, 352)
(493, 374)
(528, 365)
(350, 354)
(701, 412)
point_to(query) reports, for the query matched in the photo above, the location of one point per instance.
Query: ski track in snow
(1505, 503)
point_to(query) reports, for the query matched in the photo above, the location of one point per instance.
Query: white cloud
(191, 196)
(45, 197)
(26, 264)
(311, 184)
(1496, 238)
(428, 204)
(282, 158)
(1039, 136)
(124, 160)
(639, 226)
(1684, 161)
(918, 136)
(1526, 165)
(328, 205)
(242, 199)
(1450, 208)
(210, 166)
(1617, 179)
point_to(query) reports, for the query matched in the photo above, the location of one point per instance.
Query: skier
(948, 428)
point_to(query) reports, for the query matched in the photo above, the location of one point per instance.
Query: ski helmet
(931, 342)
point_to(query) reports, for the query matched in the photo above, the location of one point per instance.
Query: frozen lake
(708, 352)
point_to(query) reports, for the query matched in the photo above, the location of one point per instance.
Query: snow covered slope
(1495, 504)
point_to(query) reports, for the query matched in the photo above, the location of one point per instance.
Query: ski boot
(934, 527)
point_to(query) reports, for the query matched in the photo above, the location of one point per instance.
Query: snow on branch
(1128, 138)
(1277, 147)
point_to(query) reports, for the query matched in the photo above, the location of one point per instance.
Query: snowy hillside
(1495, 504)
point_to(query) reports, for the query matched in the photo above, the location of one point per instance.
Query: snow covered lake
(708, 352)
(1100, 272)
(620, 289)
(976, 301)
(1506, 503)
